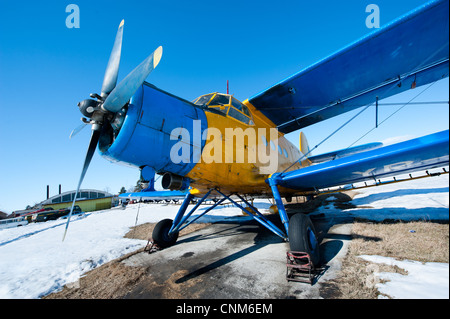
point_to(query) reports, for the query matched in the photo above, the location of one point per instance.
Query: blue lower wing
(422, 153)
(155, 195)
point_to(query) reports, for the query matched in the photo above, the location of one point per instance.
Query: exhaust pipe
(174, 182)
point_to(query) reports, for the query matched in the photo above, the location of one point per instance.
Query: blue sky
(46, 69)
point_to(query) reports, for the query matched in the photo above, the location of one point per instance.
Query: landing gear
(161, 235)
(165, 233)
(300, 229)
(302, 237)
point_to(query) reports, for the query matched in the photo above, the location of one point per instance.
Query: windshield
(220, 99)
(226, 105)
(202, 100)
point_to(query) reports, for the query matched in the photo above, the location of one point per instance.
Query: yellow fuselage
(227, 170)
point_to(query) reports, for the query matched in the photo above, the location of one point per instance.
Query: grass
(420, 241)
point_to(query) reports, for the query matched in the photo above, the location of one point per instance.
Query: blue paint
(148, 174)
(202, 214)
(312, 241)
(343, 153)
(161, 195)
(281, 210)
(418, 154)
(258, 216)
(414, 47)
(145, 136)
(181, 211)
(181, 219)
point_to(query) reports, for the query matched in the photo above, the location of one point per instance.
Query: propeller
(90, 152)
(77, 130)
(111, 101)
(112, 70)
(128, 86)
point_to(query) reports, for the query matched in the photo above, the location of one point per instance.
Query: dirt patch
(150, 288)
(114, 279)
(144, 231)
(109, 281)
(420, 241)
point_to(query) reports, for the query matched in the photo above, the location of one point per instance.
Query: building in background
(88, 199)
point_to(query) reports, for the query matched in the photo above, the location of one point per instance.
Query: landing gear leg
(163, 235)
(301, 233)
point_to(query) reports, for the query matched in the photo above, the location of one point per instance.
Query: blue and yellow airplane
(135, 123)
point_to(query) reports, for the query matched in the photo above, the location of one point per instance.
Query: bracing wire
(392, 114)
(366, 107)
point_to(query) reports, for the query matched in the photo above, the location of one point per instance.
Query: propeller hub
(88, 107)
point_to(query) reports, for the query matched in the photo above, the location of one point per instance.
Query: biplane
(218, 146)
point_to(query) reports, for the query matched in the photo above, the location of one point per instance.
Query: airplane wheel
(161, 235)
(303, 238)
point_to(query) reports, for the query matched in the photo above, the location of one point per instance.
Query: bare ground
(420, 241)
(114, 279)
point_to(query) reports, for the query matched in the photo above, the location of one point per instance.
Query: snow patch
(423, 281)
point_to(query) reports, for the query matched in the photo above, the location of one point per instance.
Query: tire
(161, 235)
(303, 238)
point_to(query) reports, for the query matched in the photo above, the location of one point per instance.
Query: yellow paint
(194, 191)
(157, 56)
(304, 149)
(221, 165)
(273, 209)
(303, 143)
(87, 205)
(247, 211)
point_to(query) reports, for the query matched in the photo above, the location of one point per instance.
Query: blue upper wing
(418, 154)
(411, 51)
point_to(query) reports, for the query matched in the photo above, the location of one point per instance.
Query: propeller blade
(90, 152)
(123, 92)
(112, 70)
(77, 130)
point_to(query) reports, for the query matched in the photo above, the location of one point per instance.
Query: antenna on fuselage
(228, 88)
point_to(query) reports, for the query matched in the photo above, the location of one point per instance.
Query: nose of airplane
(148, 129)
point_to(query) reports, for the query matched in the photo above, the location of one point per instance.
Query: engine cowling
(151, 127)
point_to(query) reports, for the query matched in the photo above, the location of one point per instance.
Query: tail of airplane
(303, 146)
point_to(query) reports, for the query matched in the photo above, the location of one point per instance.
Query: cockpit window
(202, 100)
(227, 105)
(220, 99)
(236, 104)
(241, 107)
(239, 116)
